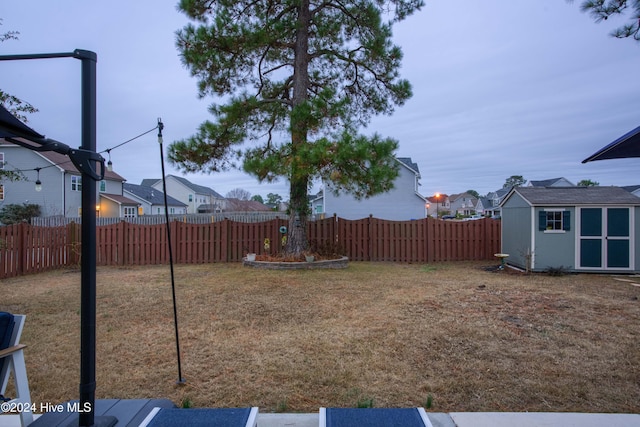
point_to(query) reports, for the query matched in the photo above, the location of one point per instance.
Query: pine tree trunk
(299, 178)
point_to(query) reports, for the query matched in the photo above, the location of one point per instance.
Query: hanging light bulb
(38, 183)
(160, 127)
(109, 164)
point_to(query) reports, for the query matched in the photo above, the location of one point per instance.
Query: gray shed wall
(516, 231)
(557, 248)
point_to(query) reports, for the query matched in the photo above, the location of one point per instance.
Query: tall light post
(437, 197)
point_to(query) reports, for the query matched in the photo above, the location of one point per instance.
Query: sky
(500, 88)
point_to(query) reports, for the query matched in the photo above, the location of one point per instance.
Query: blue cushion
(218, 417)
(6, 329)
(373, 417)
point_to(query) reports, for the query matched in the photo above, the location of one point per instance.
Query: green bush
(13, 214)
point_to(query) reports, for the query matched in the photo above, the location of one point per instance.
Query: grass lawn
(461, 337)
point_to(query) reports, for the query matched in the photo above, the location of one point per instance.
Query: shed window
(554, 220)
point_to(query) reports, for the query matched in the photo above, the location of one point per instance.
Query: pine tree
(298, 79)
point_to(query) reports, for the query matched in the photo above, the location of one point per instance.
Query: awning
(628, 145)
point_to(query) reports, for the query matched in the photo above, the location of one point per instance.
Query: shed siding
(516, 234)
(399, 204)
(554, 249)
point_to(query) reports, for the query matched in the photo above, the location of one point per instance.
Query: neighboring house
(237, 205)
(438, 205)
(197, 198)
(462, 204)
(61, 193)
(484, 206)
(496, 197)
(633, 189)
(401, 203)
(553, 182)
(589, 229)
(151, 201)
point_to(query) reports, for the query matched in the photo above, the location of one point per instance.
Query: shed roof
(571, 196)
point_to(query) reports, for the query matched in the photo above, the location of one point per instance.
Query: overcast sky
(501, 88)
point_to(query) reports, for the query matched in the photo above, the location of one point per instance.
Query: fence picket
(28, 249)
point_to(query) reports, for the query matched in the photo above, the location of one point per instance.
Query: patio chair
(12, 361)
(201, 417)
(374, 417)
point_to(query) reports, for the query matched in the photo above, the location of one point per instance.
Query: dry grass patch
(297, 340)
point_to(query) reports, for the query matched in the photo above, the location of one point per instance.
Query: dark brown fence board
(27, 249)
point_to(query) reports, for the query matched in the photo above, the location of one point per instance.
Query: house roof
(148, 182)
(546, 182)
(199, 189)
(237, 205)
(432, 199)
(65, 164)
(408, 163)
(151, 195)
(631, 188)
(454, 197)
(571, 196)
(121, 200)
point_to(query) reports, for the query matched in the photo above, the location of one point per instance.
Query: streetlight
(437, 197)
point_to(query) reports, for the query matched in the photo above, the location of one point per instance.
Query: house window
(129, 212)
(140, 211)
(1, 160)
(172, 210)
(191, 197)
(76, 183)
(554, 220)
(1, 192)
(103, 185)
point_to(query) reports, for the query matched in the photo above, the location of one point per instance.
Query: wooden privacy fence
(28, 249)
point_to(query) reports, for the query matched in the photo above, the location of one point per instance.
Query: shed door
(605, 238)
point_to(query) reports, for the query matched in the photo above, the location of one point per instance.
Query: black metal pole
(88, 252)
(88, 233)
(181, 380)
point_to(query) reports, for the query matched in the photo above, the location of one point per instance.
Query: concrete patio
(453, 419)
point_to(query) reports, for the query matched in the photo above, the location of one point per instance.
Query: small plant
(428, 268)
(365, 402)
(428, 404)
(557, 271)
(186, 403)
(282, 406)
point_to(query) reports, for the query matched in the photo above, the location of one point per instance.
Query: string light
(38, 183)
(108, 151)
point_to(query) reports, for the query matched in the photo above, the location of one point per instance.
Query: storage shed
(582, 229)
